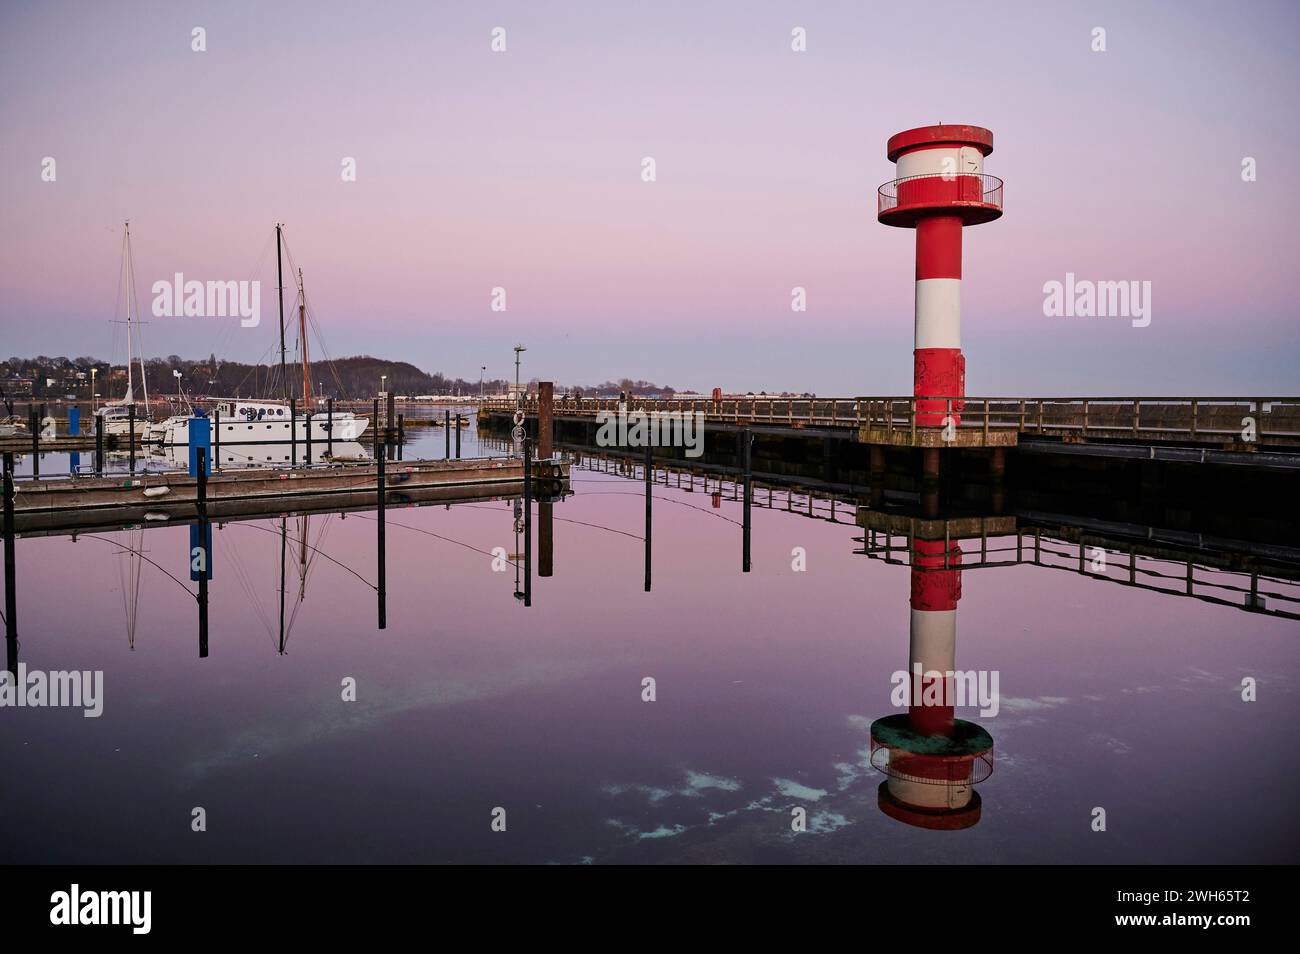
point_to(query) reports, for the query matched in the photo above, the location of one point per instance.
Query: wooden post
(216, 438)
(545, 539)
(545, 419)
(528, 522)
(382, 450)
(401, 434)
(446, 433)
(11, 592)
(329, 427)
(201, 508)
(33, 424)
(649, 496)
(293, 432)
(308, 460)
(748, 445)
(99, 444)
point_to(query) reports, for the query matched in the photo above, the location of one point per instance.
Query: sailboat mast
(129, 266)
(126, 268)
(279, 288)
(302, 336)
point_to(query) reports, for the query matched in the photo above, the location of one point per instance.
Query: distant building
(16, 387)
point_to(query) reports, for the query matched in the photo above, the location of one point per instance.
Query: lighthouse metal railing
(938, 189)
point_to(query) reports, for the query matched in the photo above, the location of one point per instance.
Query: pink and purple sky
(522, 169)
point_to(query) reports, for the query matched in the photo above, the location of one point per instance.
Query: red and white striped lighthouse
(940, 188)
(931, 759)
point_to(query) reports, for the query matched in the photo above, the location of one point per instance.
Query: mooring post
(376, 438)
(545, 538)
(649, 469)
(401, 434)
(997, 462)
(329, 427)
(930, 458)
(747, 446)
(201, 507)
(130, 437)
(11, 592)
(99, 444)
(446, 429)
(308, 416)
(36, 441)
(528, 522)
(545, 419)
(293, 432)
(458, 437)
(216, 437)
(383, 595)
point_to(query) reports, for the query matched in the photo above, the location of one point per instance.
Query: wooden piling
(381, 453)
(528, 523)
(649, 496)
(545, 419)
(36, 441)
(11, 592)
(201, 510)
(747, 448)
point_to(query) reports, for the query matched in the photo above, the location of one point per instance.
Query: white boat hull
(345, 427)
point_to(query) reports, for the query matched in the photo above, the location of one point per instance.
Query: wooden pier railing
(989, 420)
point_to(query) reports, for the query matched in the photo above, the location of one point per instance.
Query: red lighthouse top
(909, 139)
(940, 171)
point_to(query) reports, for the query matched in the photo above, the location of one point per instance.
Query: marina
(761, 435)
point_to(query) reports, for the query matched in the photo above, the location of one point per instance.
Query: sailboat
(240, 421)
(116, 415)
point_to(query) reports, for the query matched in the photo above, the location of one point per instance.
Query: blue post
(200, 436)
(74, 421)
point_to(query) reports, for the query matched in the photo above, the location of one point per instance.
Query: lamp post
(519, 399)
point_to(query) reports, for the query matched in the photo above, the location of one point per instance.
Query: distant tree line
(356, 377)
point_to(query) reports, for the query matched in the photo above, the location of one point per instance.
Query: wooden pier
(81, 501)
(1235, 424)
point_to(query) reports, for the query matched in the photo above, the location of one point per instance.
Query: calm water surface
(766, 685)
